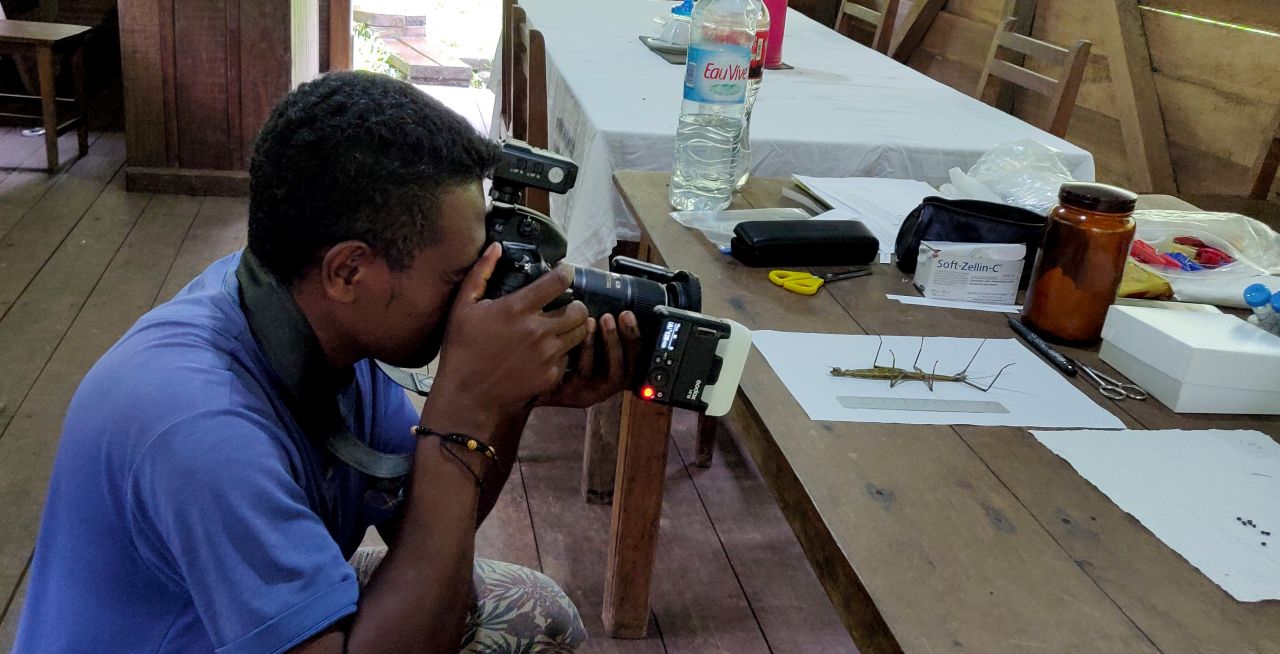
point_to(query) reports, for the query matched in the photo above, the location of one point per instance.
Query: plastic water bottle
(1275, 313)
(715, 89)
(1260, 299)
(755, 78)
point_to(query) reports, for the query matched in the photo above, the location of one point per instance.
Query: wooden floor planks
(50, 299)
(41, 229)
(767, 560)
(572, 536)
(9, 624)
(730, 575)
(23, 187)
(218, 230)
(696, 598)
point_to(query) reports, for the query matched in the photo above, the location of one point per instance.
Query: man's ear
(346, 267)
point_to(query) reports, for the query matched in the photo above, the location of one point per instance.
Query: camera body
(689, 359)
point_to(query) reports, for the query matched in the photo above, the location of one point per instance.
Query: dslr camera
(688, 359)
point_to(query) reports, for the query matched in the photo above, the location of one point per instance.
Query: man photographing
(200, 500)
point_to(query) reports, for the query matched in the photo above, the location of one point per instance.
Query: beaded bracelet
(464, 440)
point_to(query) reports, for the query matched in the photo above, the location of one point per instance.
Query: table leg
(48, 104)
(77, 76)
(637, 505)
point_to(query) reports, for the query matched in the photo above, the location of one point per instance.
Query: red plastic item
(777, 22)
(1143, 252)
(1211, 257)
(1190, 241)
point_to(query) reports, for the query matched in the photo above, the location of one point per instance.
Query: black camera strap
(309, 385)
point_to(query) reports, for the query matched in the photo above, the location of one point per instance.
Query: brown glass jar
(1080, 263)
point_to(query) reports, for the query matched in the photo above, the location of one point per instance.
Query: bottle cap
(1257, 295)
(683, 9)
(1097, 197)
(1275, 301)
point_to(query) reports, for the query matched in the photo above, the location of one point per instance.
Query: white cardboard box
(1195, 362)
(970, 272)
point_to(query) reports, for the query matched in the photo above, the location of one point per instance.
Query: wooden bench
(44, 40)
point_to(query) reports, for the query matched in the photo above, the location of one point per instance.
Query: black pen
(1055, 357)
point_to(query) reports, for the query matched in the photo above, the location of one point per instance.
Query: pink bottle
(777, 21)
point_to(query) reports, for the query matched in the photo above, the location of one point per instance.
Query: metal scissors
(1112, 387)
(808, 283)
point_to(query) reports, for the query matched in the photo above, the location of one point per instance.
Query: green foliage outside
(370, 53)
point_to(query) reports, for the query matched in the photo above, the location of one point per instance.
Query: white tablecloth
(845, 110)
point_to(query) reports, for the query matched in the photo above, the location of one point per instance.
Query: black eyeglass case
(803, 243)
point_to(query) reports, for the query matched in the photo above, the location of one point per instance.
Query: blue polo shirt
(187, 512)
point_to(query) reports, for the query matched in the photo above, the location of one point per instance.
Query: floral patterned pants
(516, 610)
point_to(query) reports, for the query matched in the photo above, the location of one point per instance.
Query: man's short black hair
(356, 156)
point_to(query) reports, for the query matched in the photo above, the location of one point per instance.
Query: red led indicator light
(647, 392)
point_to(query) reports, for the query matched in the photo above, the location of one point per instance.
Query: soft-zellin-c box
(970, 272)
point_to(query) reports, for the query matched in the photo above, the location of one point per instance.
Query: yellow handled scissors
(808, 283)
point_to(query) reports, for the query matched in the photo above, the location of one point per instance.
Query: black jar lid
(1097, 197)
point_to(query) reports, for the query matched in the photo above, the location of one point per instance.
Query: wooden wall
(201, 77)
(1218, 86)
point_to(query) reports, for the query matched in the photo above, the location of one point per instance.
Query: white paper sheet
(1189, 488)
(956, 304)
(880, 203)
(1033, 393)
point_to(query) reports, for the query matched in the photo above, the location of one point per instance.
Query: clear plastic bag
(1254, 246)
(718, 226)
(1022, 173)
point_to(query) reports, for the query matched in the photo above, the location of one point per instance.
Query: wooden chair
(519, 122)
(46, 41)
(507, 38)
(534, 70)
(1267, 163)
(882, 20)
(1061, 92)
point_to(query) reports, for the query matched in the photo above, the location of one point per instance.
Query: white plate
(662, 45)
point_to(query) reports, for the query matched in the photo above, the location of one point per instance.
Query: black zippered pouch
(969, 221)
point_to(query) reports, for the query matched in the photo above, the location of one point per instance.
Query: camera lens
(606, 292)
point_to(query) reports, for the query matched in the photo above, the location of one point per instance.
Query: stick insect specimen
(896, 375)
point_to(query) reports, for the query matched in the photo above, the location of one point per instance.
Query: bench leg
(637, 505)
(707, 427)
(49, 105)
(600, 453)
(77, 75)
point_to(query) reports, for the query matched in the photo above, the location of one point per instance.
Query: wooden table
(927, 538)
(45, 40)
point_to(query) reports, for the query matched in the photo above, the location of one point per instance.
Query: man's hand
(599, 375)
(498, 354)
